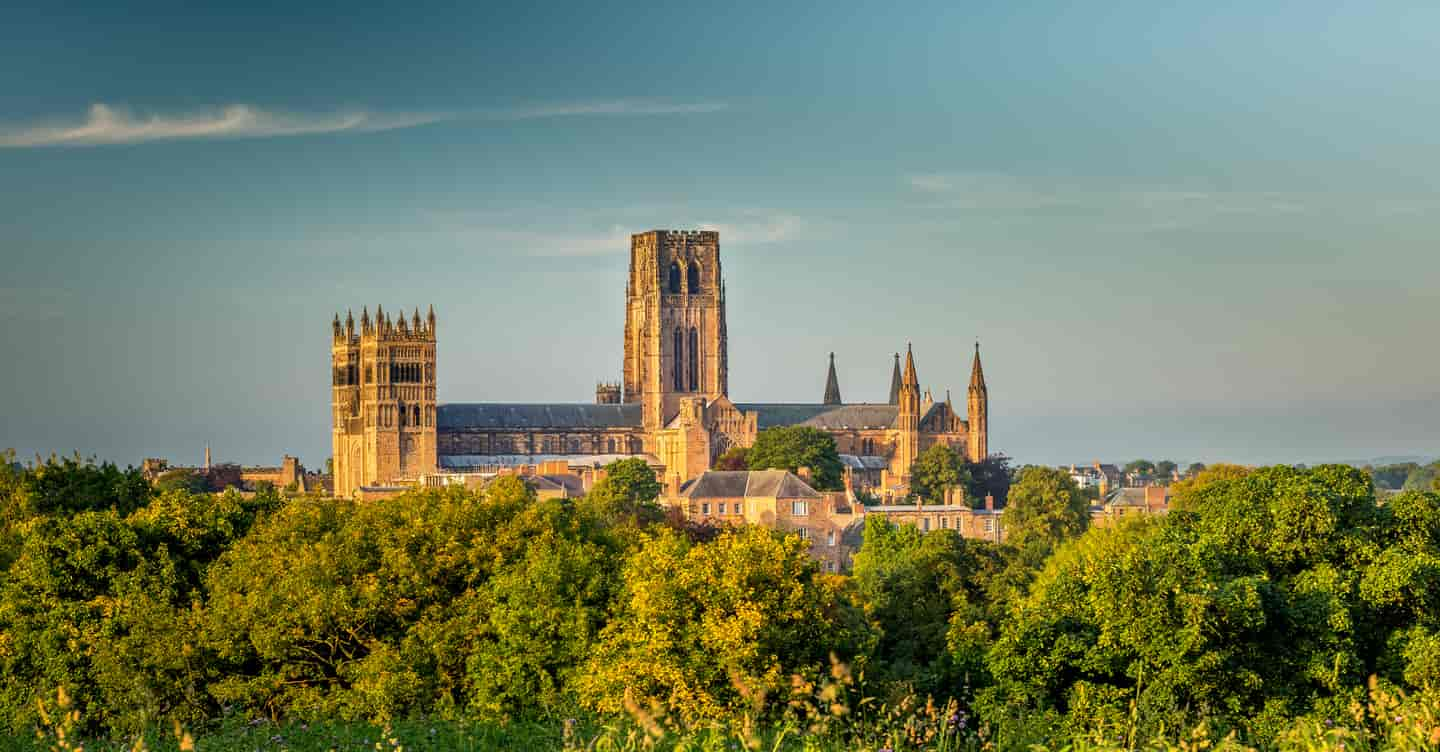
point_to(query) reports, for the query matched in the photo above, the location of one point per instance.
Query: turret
(832, 384)
(349, 325)
(907, 421)
(977, 409)
(335, 327)
(430, 319)
(895, 382)
(365, 320)
(415, 322)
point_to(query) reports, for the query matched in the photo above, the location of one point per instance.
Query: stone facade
(383, 416)
(671, 405)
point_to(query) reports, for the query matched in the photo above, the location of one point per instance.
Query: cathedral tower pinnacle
(977, 407)
(832, 384)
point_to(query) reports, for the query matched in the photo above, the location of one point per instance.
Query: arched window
(692, 278)
(402, 416)
(415, 415)
(694, 358)
(674, 277)
(610, 446)
(679, 360)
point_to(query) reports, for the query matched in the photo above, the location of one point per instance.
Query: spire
(349, 323)
(895, 382)
(336, 326)
(415, 321)
(832, 384)
(430, 319)
(977, 374)
(910, 378)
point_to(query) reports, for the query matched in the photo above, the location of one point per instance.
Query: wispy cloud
(107, 125)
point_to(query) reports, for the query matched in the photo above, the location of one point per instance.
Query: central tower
(674, 322)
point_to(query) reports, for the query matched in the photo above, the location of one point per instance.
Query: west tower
(675, 339)
(383, 400)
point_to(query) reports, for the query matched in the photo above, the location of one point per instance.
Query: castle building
(671, 405)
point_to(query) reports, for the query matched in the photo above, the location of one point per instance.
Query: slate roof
(499, 415)
(823, 416)
(467, 461)
(734, 484)
(864, 462)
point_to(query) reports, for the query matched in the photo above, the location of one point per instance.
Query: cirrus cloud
(106, 124)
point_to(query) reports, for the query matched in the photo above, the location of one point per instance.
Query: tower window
(679, 360)
(674, 277)
(694, 354)
(692, 278)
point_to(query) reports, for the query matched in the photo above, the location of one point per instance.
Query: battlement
(607, 393)
(384, 327)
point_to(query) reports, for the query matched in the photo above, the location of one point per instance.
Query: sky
(1202, 233)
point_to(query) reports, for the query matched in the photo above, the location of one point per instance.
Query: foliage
(1270, 595)
(1140, 467)
(924, 593)
(700, 627)
(734, 458)
(936, 471)
(793, 447)
(182, 479)
(1044, 509)
(989, 477)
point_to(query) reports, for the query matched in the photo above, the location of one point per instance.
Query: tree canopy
(793, 447)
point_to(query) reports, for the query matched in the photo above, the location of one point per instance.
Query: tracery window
(679, 360)
(674, 277)
(694, 358)
(692, 278)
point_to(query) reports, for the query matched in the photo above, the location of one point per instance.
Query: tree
(1045, 508)
(1140, 467)
(734, 458)
(1165, 469)
(182, 479)
(989, 477)
(633, 479)
(793, 447)
(1194, 469)
(923, 593)
(697, 625)
(936, 471)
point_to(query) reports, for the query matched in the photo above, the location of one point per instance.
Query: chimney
(207, 458)
(989, 503)
(804, 473)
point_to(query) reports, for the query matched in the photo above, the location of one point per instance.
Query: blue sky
(1202, 233)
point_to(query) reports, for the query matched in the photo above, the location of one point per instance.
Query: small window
(989, 525)
(829, 566)
(799, 508)
(722, 507)
(705, 508)
(944, 523)
(804, 532)
(830, 538)
(925, 524)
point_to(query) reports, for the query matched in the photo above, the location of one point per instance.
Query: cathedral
(671, 406)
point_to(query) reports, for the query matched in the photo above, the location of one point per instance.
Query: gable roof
(734, 484)
(492, 415)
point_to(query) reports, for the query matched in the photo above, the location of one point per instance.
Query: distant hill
(1418, 459)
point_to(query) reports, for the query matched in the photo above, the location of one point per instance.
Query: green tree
(1165, 468)
(937, 470)
(793, 447)
(989, 477)
(1045, 508)
(924, 595)
(734, 458)
(182, 479)
(1195, 468)
(1140, 467)
(696, 622)
(633, 479)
